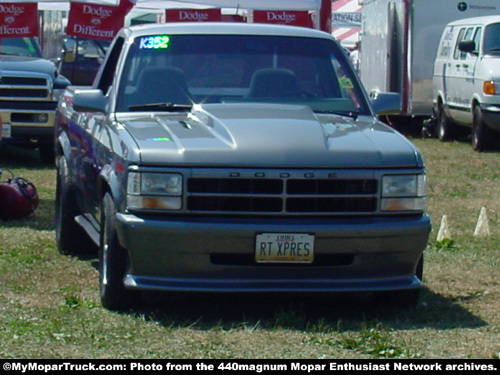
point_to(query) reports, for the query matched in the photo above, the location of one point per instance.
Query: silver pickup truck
(237, 158)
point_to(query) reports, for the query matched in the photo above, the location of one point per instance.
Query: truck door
(468, 87)
(458, 73)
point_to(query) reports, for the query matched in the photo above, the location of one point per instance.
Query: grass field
(49, 305)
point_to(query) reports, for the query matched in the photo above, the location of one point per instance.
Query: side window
(477, 38)
(445, 43)
(467, 36)
(108, 71)
(456, 54)
(87, 49)
(464, 35)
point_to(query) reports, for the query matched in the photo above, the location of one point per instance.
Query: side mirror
(467, 46)
(69, 51)
(89, 100)
(386, 103)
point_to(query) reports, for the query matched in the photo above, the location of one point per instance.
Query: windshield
(491, 44)
(187, 69)
(27, 47)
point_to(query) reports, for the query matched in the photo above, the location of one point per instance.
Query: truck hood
(20, 63)
(266, 135)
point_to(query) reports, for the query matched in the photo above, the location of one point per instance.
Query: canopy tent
(155, 5)
(313, 5)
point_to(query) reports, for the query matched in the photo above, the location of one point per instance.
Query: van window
(491, 44)
(461, 33)
(446, 43)
(477, 38)
(466, 36)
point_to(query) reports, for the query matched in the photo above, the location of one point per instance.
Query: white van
(466, 81)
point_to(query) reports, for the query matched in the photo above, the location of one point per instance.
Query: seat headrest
(273, 83)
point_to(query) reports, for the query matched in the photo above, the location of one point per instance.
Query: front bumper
(491, 116)
(217, 254)
(30, 121)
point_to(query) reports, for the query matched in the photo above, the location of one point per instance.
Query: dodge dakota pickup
(237, 158)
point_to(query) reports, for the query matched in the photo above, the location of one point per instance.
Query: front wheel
(481, 134)
(445, 130)
(70, 237)
(113, 263)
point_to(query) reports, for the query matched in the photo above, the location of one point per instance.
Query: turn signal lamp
(489, 88)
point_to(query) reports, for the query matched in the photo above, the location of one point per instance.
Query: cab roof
(223, 28)
(484, 20)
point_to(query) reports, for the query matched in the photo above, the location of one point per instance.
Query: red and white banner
(342, 11)
(282, 17)
(193, 15)
(96, 21)
(18, 20)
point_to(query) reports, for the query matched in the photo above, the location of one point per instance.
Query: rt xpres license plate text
(284, 248)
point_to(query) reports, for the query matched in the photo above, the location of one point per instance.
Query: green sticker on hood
(159, 139)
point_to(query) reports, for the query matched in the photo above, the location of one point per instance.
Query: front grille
(32, 87)
(24, 81)
(293, 196)
(23, 93)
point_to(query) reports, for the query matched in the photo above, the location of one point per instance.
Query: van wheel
(113, 263)
(481, 134)
(445, 131)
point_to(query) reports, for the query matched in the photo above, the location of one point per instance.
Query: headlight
(154, 191)
(403, 192)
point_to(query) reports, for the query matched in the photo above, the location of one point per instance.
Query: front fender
(109, 182)
(64, 145)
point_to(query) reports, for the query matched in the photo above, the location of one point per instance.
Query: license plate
(284, 248)
(6, 130)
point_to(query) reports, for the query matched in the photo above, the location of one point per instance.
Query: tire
(481, 134)
(70, 237)
(403, 298)
(444, 127)
(113, 263)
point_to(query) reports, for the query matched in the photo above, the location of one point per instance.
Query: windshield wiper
(351, 114)
(164, 107)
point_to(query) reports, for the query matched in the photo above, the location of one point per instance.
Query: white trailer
(399, 40)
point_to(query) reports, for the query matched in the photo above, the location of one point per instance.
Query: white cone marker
(482, 226)
(444, 231)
